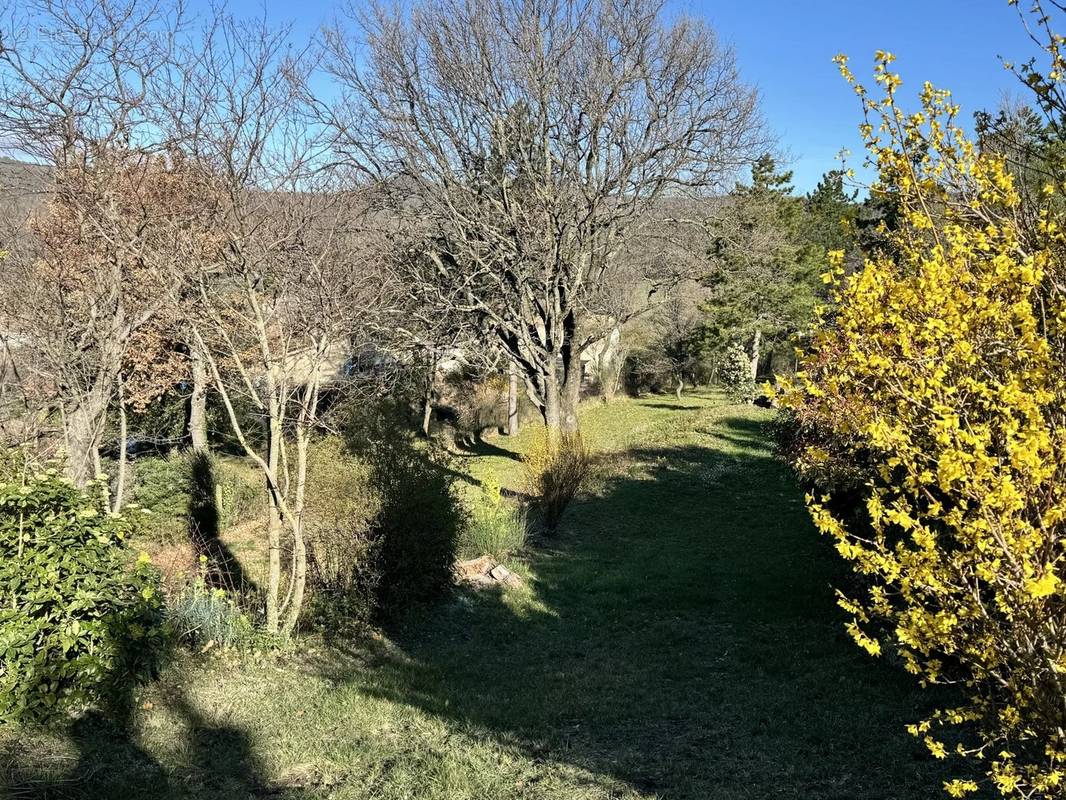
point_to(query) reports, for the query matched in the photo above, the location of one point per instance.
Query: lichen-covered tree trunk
(512, 401)
(197, 423)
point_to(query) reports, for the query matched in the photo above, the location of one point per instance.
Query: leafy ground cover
(677, 639)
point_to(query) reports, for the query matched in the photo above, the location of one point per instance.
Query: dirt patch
(485, 572)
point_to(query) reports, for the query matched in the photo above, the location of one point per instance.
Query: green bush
(342, 555)
(420, 519)
(78, 621)
(735, 375)
(196, 492)
(161, 486)
(240, 494)
(495, 527)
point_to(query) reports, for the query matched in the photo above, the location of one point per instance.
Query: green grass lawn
(677, 639)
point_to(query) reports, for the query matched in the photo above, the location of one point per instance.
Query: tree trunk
(123, 446)
(427, 412)
(274, 525)
(613, 373)
(680, 386)
(570, 397)
(512, 401)
(552, 408)
(83, 426)
(755, 355)
(427, 394)
(197, 402)
(299, 547)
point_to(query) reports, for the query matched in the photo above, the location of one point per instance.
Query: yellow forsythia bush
(556, 465)
(941, 371)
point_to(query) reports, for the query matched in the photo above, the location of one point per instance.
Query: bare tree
(526, 138)
(277, 313)
(77, 92)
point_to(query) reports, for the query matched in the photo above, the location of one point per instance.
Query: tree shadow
(217, 762)
(224, 567)
(99, 754)
(679, 639)
(669, 406)
(475, 445)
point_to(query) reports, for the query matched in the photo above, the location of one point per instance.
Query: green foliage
(239, 492)
(196, 492)
(830, 219)
(764, 271)
(78, 622)
(556, 466)
(496, 527)
(420, 520)
(343, 555)
(674, 354)
(767, 257)
(735, 375)
(161, 486)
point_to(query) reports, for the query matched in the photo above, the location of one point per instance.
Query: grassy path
(677, 640)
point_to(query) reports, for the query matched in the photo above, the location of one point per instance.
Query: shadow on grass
(668, 405)
(475, 445)
(681, 640)
(225, 570)
(218, 762)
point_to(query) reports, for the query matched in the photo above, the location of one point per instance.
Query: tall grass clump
(556, 468)
(496, 527)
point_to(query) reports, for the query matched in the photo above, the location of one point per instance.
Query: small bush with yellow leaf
(942, 373)
(557, 465)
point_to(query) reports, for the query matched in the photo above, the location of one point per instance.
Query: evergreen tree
(765, 267)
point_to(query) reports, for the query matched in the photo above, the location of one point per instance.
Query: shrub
(556, 467)
(196, 493)
(201, 615)
(343, 556)
(496, 527)
(942, 370)
(735, 375)
(239, 492)
(161, 485)
(78, 621)
(420, 518)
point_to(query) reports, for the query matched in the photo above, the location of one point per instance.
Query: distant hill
(23, 186)
(22, 176)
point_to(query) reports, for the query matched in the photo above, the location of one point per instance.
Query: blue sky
(786, 50)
